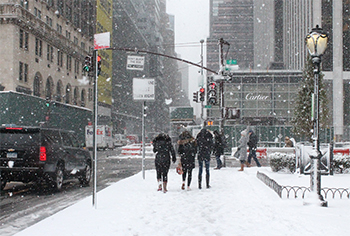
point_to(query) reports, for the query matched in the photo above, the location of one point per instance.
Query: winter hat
(244, 132)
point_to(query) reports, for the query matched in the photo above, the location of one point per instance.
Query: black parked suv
(42, 154)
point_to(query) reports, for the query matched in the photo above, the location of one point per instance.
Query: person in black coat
(205, 145)
(252, 144)
(187, 150)
(218, 149)
(163, 148)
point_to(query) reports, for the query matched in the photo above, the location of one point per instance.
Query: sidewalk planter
(282, 162)
(341, 164)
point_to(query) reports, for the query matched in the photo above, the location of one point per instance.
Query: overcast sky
(191, 25)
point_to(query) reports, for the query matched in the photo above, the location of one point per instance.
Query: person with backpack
(252, 144)
(163, 148)
(187, 150)
(219, 145)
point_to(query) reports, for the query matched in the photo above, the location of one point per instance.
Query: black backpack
(253, 140)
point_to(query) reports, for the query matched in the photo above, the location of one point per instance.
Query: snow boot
(183, 186)
(207, 178)
(164, 187)
(159, 185)
(248, 164)
(200, 182)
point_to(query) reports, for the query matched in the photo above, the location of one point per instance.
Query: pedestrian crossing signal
(210, 123)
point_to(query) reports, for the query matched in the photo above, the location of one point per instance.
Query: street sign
(181, 113)
(207, 106)
(231, 62)
(143, 89)
(135, 62)
(102, 40)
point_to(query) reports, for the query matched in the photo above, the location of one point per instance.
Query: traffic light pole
(94, 196)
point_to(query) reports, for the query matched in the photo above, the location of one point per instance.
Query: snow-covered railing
(300, 191)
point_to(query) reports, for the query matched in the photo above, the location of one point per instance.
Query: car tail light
(42, 153)
(14, 128)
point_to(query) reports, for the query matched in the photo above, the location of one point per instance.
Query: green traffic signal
(86, 68)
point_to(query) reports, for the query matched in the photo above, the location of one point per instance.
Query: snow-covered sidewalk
(237, 204)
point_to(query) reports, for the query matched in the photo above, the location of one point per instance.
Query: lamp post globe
(316, 42)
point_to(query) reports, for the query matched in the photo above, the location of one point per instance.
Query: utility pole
(221, 43)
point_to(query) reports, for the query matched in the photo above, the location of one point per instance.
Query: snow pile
(237, 204)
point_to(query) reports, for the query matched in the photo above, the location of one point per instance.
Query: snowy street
(237, 204)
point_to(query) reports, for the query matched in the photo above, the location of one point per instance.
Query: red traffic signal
(98, 65)
(212, 94)
(201, 94)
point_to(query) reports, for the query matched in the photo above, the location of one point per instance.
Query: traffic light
(47, 102)
(201, 94)
(195, 96)
(87, 64)
(98, 65)
(212, 94)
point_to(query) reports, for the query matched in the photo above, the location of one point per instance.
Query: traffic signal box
(212, 93)
(195, 96)
(99, 65)
(87, 64)
(201, 94)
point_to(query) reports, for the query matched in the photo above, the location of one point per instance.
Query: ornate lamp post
(316, 42)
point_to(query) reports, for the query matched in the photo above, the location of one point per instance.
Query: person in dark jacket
(205, 145)
(252, 144)
(163, 148)
(218, 149)
(187, 150)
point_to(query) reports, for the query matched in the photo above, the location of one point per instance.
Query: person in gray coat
(242, 148)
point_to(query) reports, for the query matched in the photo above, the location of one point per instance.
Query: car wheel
(57, 180)
(86, 176)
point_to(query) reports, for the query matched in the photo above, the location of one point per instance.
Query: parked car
(41, 154)
(120, 140)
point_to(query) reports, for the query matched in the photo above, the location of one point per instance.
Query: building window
(24, 4)
(69, 63)
(49, 53)
(49, 21)
(20, 76)
(59, 28)
(23, 39)
(90, 94)
(23, 72)
(76, 67)
(37, 12)
(59, 58)
(75, 40)
(67, 34)
(83, 45)
(38, 47)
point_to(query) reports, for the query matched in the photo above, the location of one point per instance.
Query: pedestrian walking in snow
(252, 144)
(164, 149)
(242, 149)
(187, 150)
(218, 149)
(205, 145)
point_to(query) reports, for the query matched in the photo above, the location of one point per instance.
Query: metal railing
(300, 191)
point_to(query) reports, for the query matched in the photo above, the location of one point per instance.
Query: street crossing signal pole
(94, 196)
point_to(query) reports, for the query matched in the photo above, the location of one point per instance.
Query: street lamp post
(316, 42)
